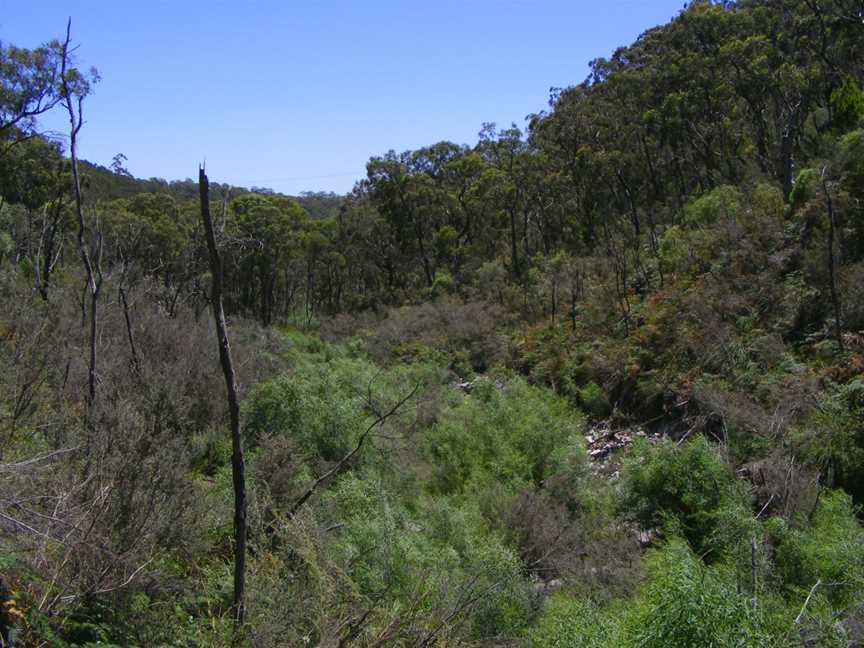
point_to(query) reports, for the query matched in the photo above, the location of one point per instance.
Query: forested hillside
(596, 383)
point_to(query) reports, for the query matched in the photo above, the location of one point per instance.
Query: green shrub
(443, 283)
(683, 604)
(322, 405)
(719, 203)
(512, 434)
(768, 201)
(689, 491)
(832, 437)
(847, 104)
(7, 246)
(686, 249)
(806, 187)
(396, 550)
(593, 400)
(310, 407)
(211, 450)
(828, 549)
(852, 160)
(569, 622)
(688, 605)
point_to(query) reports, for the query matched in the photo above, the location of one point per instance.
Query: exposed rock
(602, 439)
(547, 588)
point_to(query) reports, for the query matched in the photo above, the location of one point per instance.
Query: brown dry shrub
(780, 486)
(447, 325)
(590, 550)
(119, 496)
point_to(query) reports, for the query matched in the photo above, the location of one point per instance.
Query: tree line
(727, 94)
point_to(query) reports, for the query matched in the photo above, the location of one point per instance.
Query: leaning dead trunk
(237, 463)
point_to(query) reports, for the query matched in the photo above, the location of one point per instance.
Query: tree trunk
(238, 468)
(136, 364)
(94, 273)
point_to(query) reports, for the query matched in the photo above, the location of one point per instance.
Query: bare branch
(344, 461)
(24, 464)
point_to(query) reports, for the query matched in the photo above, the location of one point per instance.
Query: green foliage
(767, 200)
(323, 405)
(847, 105)
(685, 249)
(29, 172)
(211, 450)
(376, 539)
(7, 246)
(673, 248)
(832, 437)
(316, 409)
(445, 241)
(688, 605)
(806, 188)
(826, 549)
(395, 550)
(852, 158)
(569, 622)
(721, 203)
(443, 283)
(682, 604)
(594, 401)
(688, 491)
(29, 84)
(510, 433)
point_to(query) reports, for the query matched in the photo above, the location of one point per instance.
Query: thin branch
(23, 464)
(767, 504)
(342, 462)
(106, 590)
(813, 589)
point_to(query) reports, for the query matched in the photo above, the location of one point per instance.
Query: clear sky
(297, 95)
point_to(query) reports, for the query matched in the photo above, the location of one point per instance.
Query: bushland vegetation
(674, 247)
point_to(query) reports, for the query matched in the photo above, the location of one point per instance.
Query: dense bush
(447, 328)
(827, 549)
(683, 604)
(688, 605)
(576, 623)
(687, 490)
(504, 434)
(641, 254)
(832, 437)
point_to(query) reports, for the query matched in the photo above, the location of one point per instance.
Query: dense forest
(597, 382)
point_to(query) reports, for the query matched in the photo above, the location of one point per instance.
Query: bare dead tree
(238, 468)
(73, 101)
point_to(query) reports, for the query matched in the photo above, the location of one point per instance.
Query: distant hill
(109, 184)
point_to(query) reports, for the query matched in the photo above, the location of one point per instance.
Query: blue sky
(298, 95)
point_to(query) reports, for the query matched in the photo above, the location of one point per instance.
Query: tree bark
(238, 468)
